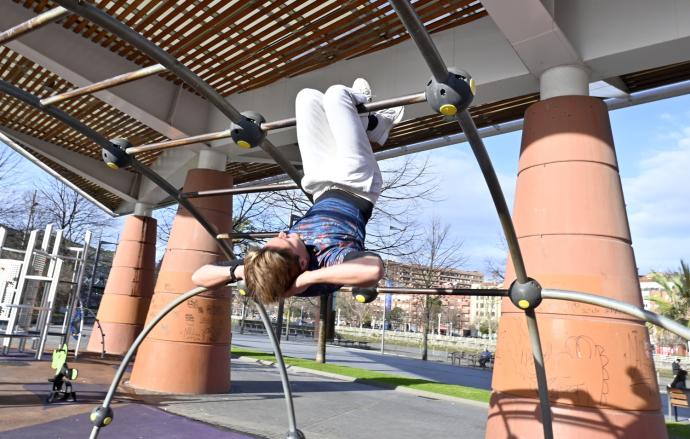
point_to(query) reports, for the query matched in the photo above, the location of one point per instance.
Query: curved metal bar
(421, 37)
(617, 305)
(477, 145)
(159, 55)
(428, 49)
(132, 349)
(292, 424)
(100, 140)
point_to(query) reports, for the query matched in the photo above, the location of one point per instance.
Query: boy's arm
(210, 276)
(364, 271)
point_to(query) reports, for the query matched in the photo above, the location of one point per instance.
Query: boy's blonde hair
(270, 272)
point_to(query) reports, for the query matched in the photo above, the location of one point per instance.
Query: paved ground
(326, 407)
(373, 360)
(329, 408)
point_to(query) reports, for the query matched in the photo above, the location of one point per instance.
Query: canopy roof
(238, 47)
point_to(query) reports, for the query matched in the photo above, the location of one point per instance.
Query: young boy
(325, 249)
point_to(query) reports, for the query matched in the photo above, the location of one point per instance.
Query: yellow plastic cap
(112, 165)
(473, 86)
(448, 109)
(524, 304)
(244, 144)
(107, 421)
(361, 299)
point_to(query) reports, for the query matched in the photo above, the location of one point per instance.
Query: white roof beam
(533, 33)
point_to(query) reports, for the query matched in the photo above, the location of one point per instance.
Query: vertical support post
(76, 297)
(50, 302)
(279, 320)
(19, 290)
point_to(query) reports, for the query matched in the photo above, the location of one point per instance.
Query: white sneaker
(362, 86)
(386, 119)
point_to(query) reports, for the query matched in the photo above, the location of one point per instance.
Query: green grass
(676, 430)
(372, 377)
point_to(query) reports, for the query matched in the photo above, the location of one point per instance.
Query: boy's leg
(316, 143)
(355, 167)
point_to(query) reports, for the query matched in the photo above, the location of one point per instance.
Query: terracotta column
(189, 351)
(129, 288)
(572, 225)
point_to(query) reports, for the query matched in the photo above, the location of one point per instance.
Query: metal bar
(32, 24)
(252, 235)
(135, 345)
(489, 292)
(78, 278)
(484, 161)
(538, 356)
(292, 423)
(96, 137)
(438, 68)
(421, 37)
(106, 83)
(617, 305)
(241, 190)
(157, 146)
(364, 108)
(268, 126)
(159, 55)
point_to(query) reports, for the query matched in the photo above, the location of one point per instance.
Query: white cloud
(658, 206)
(467, 205)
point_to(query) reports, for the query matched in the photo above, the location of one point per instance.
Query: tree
(60, 205)
(10, 205)
(675, 300)
(438, 252)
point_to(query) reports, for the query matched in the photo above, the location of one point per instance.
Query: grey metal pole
(293, 432)
(438, 68)
(241, 190)
(489, 292)
(32, 24)
(617, 305)
(93, 272)
(137, 40)
(249, 235)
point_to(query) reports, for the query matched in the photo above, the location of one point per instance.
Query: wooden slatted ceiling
(239, 45)
(99, 116)
(657, 77)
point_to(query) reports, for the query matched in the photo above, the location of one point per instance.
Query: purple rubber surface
(131, 421)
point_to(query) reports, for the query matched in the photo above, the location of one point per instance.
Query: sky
(653, 148)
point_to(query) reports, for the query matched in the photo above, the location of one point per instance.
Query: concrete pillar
(189, 350)
(573, 230)
(129, 288)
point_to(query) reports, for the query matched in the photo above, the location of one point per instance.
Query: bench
(343, 342)
(676, 398)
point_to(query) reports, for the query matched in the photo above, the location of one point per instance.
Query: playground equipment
(525, 293)
(31, 288)
(64, 375)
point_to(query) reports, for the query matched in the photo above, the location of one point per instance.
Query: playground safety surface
(326, 407)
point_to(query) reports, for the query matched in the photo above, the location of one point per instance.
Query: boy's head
(270, 271)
